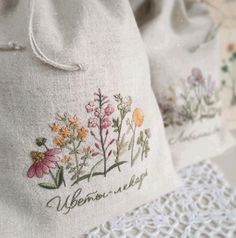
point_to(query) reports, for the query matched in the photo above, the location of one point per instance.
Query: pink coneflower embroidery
(43, 162)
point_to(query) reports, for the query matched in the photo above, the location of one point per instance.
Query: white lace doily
(204, 207)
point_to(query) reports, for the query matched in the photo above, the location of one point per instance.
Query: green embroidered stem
(101, 137)
(45, 146)
(53, 177)
(132, 148)
(80, 169)
(118, 144)
(87, 176)
(143, 146)
(76, 160)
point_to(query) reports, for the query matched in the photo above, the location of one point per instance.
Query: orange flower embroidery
(82, 133)
(231, 47)
(138, 117)
(65, 132)
(59, 140)
(55, 127)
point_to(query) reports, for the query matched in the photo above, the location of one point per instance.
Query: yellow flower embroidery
(138, 117)
(55, 127)
(82, 133)
(59, 140)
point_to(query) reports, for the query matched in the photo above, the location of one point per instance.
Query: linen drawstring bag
(184, 60)
(82, 138)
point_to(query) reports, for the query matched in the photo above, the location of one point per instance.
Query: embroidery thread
(73, 155)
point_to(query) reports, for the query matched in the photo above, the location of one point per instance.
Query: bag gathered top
(82, 138)
(184, 59)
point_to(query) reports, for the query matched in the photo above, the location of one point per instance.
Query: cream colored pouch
(184, 61)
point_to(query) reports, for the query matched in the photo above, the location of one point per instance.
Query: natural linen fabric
(77, 148)
(184, 61)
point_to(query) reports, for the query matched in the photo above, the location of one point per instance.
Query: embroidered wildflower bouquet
(82, 138)
(184, 58)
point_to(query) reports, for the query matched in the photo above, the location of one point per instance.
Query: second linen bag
(184, 59)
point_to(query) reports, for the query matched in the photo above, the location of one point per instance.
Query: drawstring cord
(41, 56)
(13, 45)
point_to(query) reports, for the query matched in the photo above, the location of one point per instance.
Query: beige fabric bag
(82, 139)
(184, 61)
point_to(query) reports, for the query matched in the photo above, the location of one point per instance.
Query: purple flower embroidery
(196, 77)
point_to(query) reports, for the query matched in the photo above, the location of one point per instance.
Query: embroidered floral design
(196, 99)
(75, 157)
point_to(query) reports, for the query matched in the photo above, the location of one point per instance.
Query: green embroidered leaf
(48, 185)
(208, 101)
(115, 165)
(225, 68)
(234, 55)
(60, 176)
(93, 169)
(115, 123)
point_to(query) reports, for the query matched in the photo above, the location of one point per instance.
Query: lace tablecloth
(204, 207)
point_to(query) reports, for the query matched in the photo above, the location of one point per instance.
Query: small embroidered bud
(40, 141)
